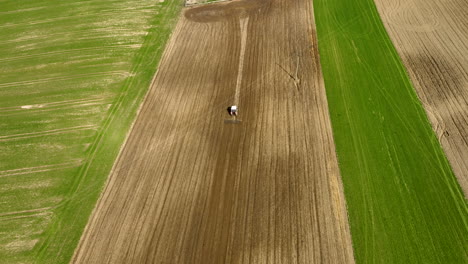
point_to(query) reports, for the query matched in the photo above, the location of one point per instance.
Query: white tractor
(232, 111)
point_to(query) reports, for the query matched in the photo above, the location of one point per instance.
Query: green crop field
(404, 203)
(73, 74)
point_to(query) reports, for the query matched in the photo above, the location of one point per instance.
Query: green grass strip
(67, 46)
(404, 203)
(73, 215)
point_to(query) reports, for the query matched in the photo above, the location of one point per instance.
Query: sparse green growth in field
(404, 203)
(73, 74)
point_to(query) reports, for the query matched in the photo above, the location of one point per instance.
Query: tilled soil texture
(191, 188)
(432, 40)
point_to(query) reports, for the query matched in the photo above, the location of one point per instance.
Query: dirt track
(189, 188)
(432, 39)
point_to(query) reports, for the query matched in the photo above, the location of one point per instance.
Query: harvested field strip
(36, 210)
(432, 39)
(190, 188)
(52, 104)
(73, 77)
(44, 168)
(48, 80)
(404, 202)
(68, 51)
(45, 133)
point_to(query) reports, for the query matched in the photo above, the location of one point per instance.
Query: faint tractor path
(244, 23)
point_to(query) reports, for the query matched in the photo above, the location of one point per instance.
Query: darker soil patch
(224, 11)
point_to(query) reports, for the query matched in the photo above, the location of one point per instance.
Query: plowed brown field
(190, 188)
(432, 39)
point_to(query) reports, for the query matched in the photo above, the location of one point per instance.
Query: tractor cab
(232, 110)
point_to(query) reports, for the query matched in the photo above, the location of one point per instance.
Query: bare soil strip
(432, 40)
(188, 188)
